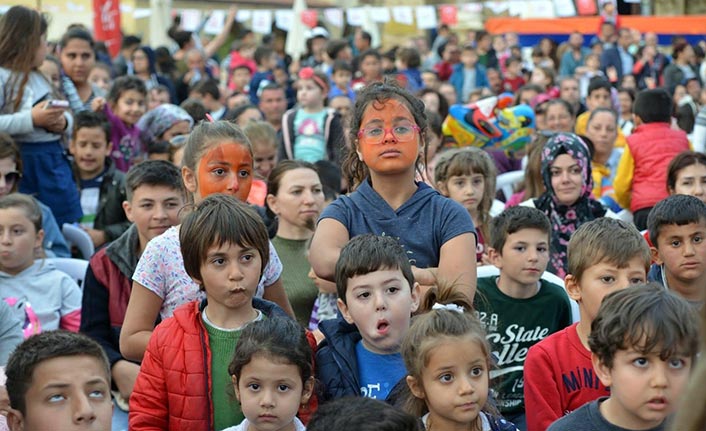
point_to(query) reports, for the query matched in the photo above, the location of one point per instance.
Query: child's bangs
(663, 334)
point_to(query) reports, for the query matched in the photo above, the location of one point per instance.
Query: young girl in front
(184, 374)
(388, 137)
(312, 132)
(26, 115)
(42, 297)
(127, 102)
(272, 375)
(467, 175)
(217, 159)
(448, 361)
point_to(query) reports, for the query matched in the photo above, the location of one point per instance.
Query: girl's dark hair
(21, 29)
(123, 84)
(77, 33)
(681, 161)
(378, 93)
(221, 219)
(280, 339)
(275, 179)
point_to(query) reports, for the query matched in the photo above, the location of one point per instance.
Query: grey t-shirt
(589, 418)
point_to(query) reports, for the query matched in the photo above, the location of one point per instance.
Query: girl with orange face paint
(388, 136)
(217, 159)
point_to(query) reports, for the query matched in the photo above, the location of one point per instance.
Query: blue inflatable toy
(490, 123)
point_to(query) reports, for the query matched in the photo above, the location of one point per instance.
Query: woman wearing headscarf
(160, 126)
(144, 66)
(567, 201)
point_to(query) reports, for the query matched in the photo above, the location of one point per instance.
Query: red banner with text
(106, 22)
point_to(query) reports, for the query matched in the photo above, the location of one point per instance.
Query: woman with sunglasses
(54, 244)
(389, 135)
(162, 130)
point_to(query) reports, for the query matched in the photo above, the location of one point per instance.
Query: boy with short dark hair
(408, 61)
(361, 353)
(599, 95)
(643, 343)
(677, 227)
(207, 92)
(101, 185)
(518, 308)
(341, 76)
(604, 255)
(155, 194)
(468, 74)
(513, 80)
(59, 380)
(642, 171)
(266, 61)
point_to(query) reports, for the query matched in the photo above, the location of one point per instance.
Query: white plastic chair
(74, 268)
(507, 182)
(80, 238)
(491, 270)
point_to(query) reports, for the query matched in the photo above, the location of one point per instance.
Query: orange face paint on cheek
(222, 170)
(391, 156)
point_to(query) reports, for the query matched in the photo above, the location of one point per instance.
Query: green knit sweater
(300, 289)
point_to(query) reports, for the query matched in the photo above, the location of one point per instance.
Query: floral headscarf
(153, 124)
(565, 219)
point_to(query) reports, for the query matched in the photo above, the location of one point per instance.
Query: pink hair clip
(209, 118)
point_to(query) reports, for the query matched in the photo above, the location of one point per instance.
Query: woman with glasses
(389, 135)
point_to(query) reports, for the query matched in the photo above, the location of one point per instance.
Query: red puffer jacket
(173, 389)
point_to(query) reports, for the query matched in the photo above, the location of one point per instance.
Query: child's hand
(232, 13)
(98, 104)
(97, 236)
(46, 117)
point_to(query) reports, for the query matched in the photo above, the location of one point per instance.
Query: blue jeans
(47, 176)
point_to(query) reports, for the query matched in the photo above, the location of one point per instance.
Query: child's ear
(415, 387)
(441, 187)
(495, 257)
(127, 207)
(603, 371)
(344, 311)
(572, 287)
(234, 381)
(108, 148)
(39, 240)
(656, 256)
(15, 420)
(416, 295)
(307, 390)
(189, 178)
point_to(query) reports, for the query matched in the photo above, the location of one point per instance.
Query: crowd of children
(287, 245)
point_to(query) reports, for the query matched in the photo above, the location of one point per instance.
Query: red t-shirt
(559, 378)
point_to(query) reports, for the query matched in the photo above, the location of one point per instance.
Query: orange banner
(691, 24)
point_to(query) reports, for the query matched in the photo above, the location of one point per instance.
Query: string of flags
(423, 16)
